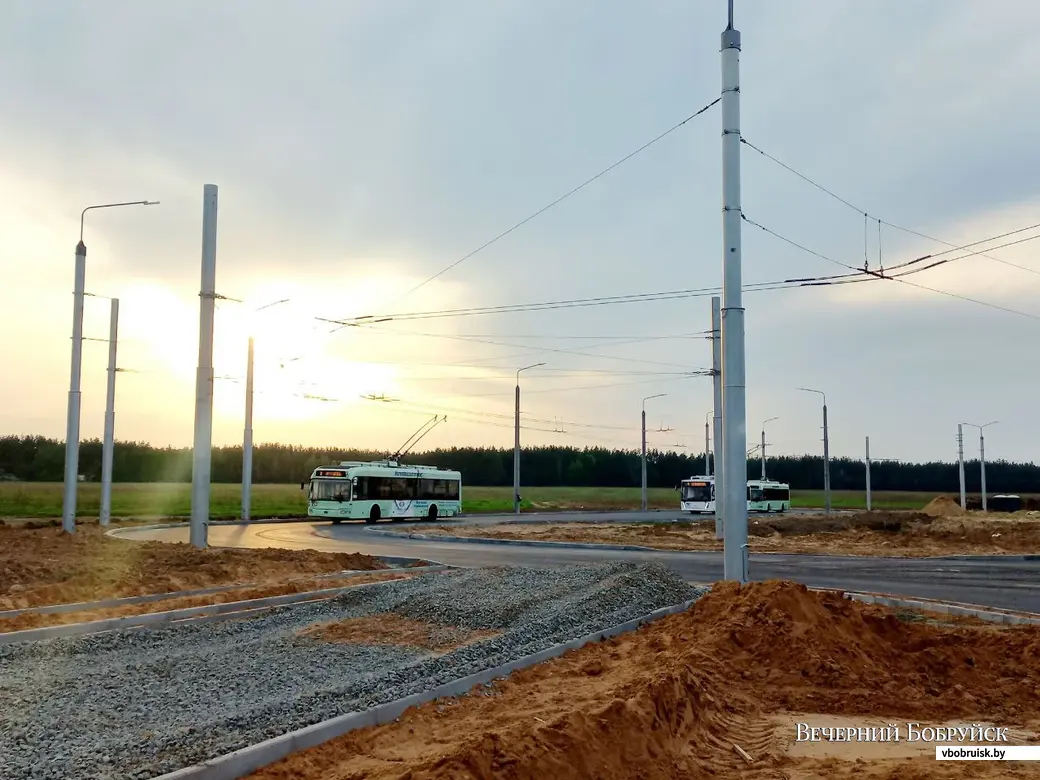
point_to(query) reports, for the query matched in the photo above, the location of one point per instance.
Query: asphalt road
(1010, 583)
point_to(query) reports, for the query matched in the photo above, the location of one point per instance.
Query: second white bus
(697, 495)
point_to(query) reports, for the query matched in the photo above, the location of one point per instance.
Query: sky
(362, 147)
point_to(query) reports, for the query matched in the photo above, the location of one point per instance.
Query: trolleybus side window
(432, 489)
(777, 494)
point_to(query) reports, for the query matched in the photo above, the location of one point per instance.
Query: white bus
(370, 491)
(697, 495)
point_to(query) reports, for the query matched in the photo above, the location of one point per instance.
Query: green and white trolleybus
(354, 490)
(697, 495)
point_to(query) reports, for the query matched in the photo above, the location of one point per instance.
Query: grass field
(43, 499)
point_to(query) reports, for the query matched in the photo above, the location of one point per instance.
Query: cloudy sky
(362, 147)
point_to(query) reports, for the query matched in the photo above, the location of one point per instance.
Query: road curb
(209, 611)
(246, 760)
(521, 542)
(989, 614)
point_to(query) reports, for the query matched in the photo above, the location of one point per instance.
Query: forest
(35, 458)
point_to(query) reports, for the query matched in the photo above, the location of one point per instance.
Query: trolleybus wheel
(373, 516)
(432, 513)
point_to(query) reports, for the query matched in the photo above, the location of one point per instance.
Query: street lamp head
(534, 365)
(769, 420)
(649, 397)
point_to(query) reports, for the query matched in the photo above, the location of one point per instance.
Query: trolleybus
(354, 490)
(697, 495)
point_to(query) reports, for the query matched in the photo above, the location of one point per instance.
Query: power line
(880, 221)
(560, 199)
(898, 277)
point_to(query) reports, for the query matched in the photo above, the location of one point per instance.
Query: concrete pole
(68, 508)
(202, 450)
(826, 462)
(734, 413)
(982, 466)
(642, 495)
(108, 447)
(868, 473)
(247, 439)
(762, 454)
(716, 386)
(960, 463)
(707, 445)
(516, 444)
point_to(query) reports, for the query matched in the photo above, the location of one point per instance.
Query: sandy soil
(717, 692)
(890, 533)
(390, 629)
(21, 622)
(41, 566)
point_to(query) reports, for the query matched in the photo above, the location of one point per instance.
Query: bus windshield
(330, 490)
(696, 491)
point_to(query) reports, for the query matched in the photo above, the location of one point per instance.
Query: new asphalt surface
(1009, 582)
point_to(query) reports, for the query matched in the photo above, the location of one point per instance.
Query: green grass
(43, 499)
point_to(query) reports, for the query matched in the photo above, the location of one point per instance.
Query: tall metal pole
(982, 466)
(68, 503)
(203, 442)
(68, 509)
(734, 417)
(707, 444)
(716, 388)
(247, 438)
(868, 473)
(108, 447)
(960, 463)
(642, 494)
(826, 452)
(643, 503)
(516, 442)
(826, 462)
(763, 446)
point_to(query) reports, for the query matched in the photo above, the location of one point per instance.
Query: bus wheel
(373, 516)
(337, 520)
(432, 514)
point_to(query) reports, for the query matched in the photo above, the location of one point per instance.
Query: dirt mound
(704, 694)
(44, 566)
(943, 506)
(390, 629)
(860, 659)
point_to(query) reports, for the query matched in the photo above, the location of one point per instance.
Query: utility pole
(643, 498)
(716, 388)
(868, 473)
(202, 449)
(826, 453)
(734, 412)
(763, 448)
(108, 447)
(707, 444)
(69, 494)
(960, 463)
(516, 442)
(982, 457)
(247, 438)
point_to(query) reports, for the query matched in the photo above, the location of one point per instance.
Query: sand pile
(44, 566)
(943, 506)
(689, 695)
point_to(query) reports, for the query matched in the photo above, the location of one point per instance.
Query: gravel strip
(134, 705)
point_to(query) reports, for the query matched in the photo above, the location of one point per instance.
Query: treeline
(36, 458)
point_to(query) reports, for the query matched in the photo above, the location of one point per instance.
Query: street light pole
(516, 443)
(960, 462)
(716, 388)
(826, 453)
(68, 508)
(707, 444)
(763, 453)
(868, 473)
(642, 500)
(108, 447)
(982, 458)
